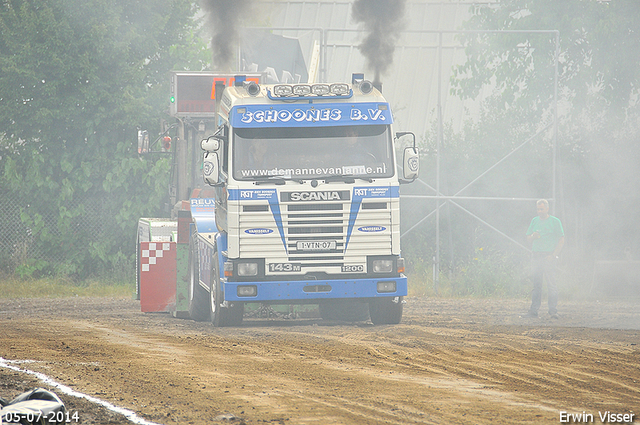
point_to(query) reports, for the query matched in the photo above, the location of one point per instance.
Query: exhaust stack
(218, 93)
(365, 86)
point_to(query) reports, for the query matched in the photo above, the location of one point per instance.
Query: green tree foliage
(512, 74)
(598, 40)
(77, 77)
(599, 110)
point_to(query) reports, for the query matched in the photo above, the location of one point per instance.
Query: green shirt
(550, 233)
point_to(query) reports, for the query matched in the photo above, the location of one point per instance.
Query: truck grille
(320, 224)
(315, 234)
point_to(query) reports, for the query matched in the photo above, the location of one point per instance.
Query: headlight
(339, 89)
(366, 87)
(247, 269)
(382, 266)
(301, 90)
(252, 88)
(320, 89)
(283, 90)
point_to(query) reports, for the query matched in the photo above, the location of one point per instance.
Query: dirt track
(450, 361)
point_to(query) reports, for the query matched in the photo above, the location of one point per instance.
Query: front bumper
(309, 290)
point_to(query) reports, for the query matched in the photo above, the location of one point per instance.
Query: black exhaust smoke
(223, 18)
(383, 21)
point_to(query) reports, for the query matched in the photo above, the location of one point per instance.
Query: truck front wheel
(198, 297)
(216, 294)
(386, 310)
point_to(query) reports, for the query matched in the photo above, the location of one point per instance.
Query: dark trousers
(543, 265)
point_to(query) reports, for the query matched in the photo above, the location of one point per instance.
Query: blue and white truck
(306, 205)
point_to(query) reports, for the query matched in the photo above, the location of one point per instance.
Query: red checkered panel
(157, 276)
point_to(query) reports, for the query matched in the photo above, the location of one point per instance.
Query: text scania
(314, 196)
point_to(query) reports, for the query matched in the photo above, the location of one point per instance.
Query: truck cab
(306, 206)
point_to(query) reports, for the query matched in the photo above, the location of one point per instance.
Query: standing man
(547, 235)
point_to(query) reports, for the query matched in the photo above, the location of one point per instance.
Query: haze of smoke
(223, 17)
(383, 20)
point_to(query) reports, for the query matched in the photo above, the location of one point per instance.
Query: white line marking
(132, 416)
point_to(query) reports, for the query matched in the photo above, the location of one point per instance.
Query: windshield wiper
(347, 178)
(269, 179)
(279, 180)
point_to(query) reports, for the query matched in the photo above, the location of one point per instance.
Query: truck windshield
(364, 151)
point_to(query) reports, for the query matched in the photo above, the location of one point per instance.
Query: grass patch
(52, 287)
(486, 274)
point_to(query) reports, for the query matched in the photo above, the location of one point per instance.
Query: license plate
(315, 245)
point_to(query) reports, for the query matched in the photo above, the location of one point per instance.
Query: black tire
(198, 297)
(138, 267)
(215, 294)
(386, 311)
(220, 316)
(344, 311)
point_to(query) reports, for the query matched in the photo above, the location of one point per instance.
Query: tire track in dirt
(450, 367)
(525, 374)
(548, 374)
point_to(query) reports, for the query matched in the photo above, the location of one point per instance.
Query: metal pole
(455, 196)
(323, 57)
(555, 119)
(181, 164)
(436, 282)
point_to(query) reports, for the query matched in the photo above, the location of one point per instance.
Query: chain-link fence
(14, 236)
(29, 233)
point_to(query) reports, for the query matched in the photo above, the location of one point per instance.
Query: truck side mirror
(410, 159)
(210, 144)
(210, 167)
(411, 163)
